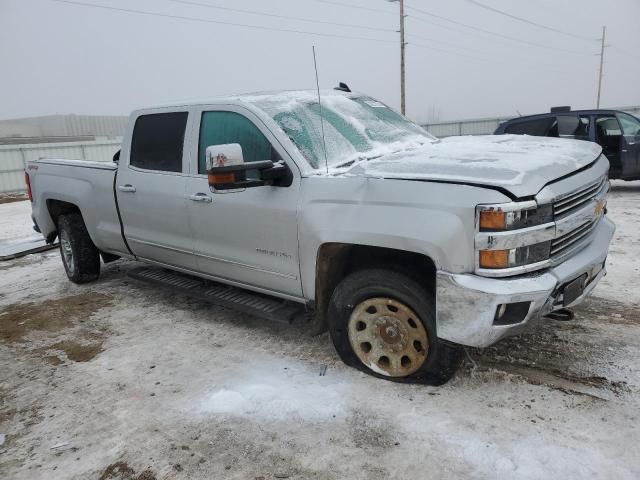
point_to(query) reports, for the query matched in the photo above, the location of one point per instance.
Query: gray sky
(63, 58)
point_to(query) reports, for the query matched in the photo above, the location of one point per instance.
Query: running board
(255, 304)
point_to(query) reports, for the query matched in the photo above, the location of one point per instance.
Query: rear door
(248, 236)
(150, 188)
(609, 137)
(630, 148)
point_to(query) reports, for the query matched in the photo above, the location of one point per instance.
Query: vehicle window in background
(353, 128)
(630, 125)
(573, 126)
(158, 140)
(219, 128)
(539, 127)
(608, 127)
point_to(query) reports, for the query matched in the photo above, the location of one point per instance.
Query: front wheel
(80, 257)
(383, 323)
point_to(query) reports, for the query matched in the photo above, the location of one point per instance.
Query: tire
(80, 257)
(377, 307)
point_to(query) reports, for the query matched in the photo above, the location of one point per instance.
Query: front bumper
(466, 304)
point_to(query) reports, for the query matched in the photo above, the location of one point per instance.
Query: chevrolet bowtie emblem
(599, 207)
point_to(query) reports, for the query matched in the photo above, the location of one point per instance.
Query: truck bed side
(86, 185)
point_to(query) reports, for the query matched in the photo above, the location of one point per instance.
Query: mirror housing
(226, 169)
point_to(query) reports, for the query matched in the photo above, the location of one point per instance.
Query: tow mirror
(227, 170)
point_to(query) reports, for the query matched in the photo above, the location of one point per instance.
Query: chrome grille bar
(578, 198)
(561, 244)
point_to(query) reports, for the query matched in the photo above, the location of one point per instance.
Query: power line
(536, 66)
(286, 17)
(219, 22)
(488, 32)
(529, 22)
(357, 7)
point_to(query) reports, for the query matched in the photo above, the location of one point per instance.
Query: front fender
(432, 219)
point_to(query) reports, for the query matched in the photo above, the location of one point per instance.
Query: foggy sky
(62, 58)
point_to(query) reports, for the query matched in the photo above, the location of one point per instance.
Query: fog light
(511, 313)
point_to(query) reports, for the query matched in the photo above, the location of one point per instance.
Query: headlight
(513, 237)
(514, 257)
(512, 216)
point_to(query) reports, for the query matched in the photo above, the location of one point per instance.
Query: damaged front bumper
(468, 306)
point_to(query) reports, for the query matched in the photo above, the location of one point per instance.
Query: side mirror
(227, 170)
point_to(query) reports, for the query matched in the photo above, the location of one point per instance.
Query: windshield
(354, 128)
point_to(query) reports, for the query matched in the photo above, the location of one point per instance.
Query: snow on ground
(15, 221)
(129, 382)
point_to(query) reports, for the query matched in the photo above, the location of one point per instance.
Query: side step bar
(255, 304)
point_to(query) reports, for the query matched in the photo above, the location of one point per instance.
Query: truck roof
(276, 95)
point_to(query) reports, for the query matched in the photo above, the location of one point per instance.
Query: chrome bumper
(466, 304)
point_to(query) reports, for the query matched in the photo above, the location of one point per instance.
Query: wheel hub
(388, 337)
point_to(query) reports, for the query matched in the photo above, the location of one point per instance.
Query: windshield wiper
(361, 158)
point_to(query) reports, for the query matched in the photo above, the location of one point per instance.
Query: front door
(630, 148)
(151, 191)
(247, 236)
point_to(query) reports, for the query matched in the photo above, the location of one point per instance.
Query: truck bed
(86, 184)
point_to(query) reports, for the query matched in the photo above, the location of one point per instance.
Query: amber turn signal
(493, 220)
(221, 178)
(494, 258)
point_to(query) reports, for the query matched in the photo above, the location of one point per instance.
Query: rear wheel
(382, 322)
(80, 257)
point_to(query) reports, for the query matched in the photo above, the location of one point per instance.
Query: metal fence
(485, 126)
(14, 158)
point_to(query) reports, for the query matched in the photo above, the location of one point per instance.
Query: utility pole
(402, 47)
(604, 30)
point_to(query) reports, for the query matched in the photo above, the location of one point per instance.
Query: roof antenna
(343, 87)
(324, 144)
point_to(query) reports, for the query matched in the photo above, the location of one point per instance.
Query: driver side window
(218, 128)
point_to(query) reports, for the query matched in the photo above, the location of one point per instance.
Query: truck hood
(520, 164)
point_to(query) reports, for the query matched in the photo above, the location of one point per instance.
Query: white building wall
(13, 158)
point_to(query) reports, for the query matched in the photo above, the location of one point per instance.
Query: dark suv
(617, 132)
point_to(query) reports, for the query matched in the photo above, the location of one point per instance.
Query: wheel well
(57, 208)
(337, 260)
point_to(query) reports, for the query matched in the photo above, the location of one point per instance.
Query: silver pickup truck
(343, 214)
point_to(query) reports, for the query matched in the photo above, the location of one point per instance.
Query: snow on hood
(521, 164)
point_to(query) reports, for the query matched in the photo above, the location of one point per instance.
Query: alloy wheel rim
(67, 252)
(388, 337)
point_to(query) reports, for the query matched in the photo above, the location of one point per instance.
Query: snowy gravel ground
(120, 380)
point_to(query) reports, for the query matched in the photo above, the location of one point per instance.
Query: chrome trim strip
(515, 238)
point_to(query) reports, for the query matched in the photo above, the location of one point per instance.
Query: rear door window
(539, 127)
(158, 141)
(573, 126)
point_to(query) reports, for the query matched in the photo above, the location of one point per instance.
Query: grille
(571, 241)
(573, 201)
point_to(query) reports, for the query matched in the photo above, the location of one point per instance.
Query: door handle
(127, 188)
(200, 197)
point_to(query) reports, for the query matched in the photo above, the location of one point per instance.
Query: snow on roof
(276, 95)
